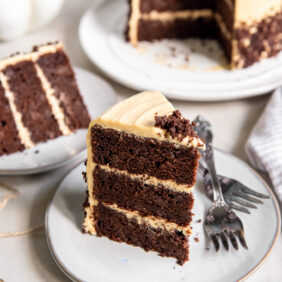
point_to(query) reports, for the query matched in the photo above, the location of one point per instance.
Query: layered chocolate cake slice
(248, 30)
(39, 98)
(141, 168)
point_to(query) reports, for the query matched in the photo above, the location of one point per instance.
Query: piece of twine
(3, 203)
(7, 197)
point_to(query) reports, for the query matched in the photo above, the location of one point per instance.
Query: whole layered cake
(248, 30)
(39, 98)
(142, 159)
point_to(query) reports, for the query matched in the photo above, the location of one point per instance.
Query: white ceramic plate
(162, 65)
(98, 96)
(84, 257)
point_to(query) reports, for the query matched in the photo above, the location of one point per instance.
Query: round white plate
(98, 96)
(88, 258)
(162, 65)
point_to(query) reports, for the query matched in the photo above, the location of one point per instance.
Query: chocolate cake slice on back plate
(141, 169)
(39, 98)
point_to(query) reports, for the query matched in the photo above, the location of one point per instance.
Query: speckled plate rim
(73, 277)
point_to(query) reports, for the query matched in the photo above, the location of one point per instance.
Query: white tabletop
(27, 258)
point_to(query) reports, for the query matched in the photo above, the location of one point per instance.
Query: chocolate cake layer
(147, 6)
(134, 194)
(161, 159)
(258, 41)
(118, 227)
(149, 30)
(31, 101)
(57, 69)
(9, 139)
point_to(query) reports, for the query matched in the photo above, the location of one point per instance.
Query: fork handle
(209, 159)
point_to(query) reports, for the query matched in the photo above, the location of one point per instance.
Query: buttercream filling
(133, 22)
(53, 101)
(32, 56)
(170, 16)
(226, 33)
(24, 134)
(152, 221)
(229, 4)
(88, 223)
(150, 180)
(252, 11)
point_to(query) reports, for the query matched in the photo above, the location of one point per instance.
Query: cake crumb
(36, 152)
(207, 248)
(196, 239)
(175, 125)
(84, 176)
(199, 221)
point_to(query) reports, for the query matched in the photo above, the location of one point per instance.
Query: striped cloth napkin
(264, 146)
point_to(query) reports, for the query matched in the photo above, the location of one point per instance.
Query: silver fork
(220, 221)
(237, 195)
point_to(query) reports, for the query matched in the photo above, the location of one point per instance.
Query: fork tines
(224, 239)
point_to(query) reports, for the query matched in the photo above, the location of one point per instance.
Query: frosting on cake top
(249, 11)
(136, 115)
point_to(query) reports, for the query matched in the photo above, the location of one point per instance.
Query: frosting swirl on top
(136, 115)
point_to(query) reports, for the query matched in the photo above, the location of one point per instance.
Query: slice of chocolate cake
(141, 169)
(248, 30)
(39, 98)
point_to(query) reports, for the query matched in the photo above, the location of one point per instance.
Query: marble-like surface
(27, 258)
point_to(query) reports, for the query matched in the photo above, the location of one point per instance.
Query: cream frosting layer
(133, 22)
(150, 220)
(177, 15)
(229, 4)
(54, 103)
(147, 179)
(227, 34)
(249, 11)
(32, 56)
(88, 223)
(136, 116)
(24, 134)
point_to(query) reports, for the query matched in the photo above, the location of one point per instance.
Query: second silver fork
(220, 222)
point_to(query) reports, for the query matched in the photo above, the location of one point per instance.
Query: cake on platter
(39, 98)
(142, 159)
(247, 30)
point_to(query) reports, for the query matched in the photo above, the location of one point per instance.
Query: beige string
(21, 233)
(5, 199)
